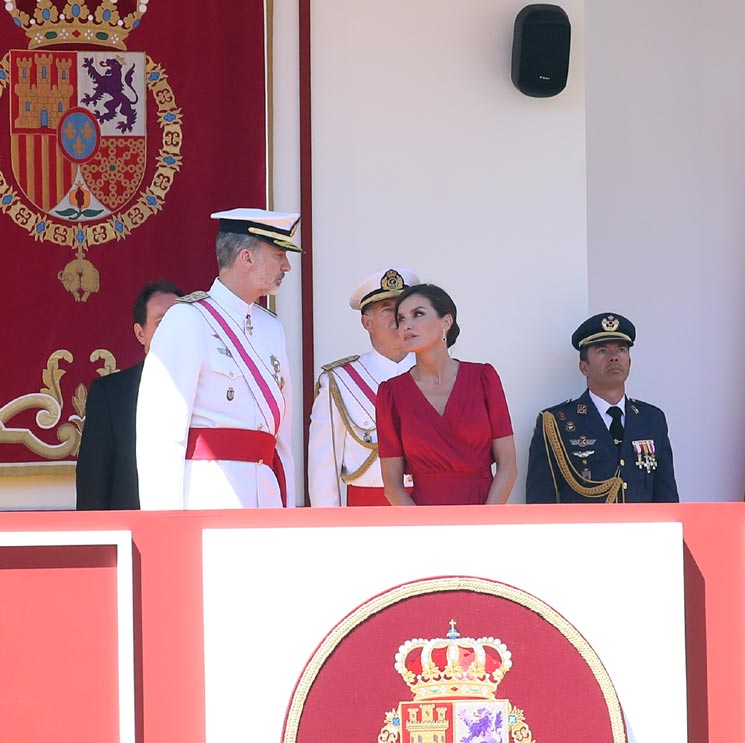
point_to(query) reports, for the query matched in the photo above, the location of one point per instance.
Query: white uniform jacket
(334, 450)
(191, 380)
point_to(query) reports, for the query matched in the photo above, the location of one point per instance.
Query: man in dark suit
(602, 447)
(106, 475)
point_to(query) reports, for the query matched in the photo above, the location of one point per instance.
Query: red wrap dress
(449, 455)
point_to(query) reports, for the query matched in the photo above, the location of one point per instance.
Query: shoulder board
(634, 401)
(339, 362)
(265, 309)
(641, 404)
(556, 407)
(193, 297)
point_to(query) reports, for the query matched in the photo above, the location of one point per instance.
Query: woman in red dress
(444, 421)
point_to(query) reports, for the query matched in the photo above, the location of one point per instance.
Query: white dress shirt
(603, 405)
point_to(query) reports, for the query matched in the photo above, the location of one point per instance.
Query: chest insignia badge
(561, 415)
(230, 394)
(582, 409)
(582, 441)
(583, 454)
(570, 426)
(278, 378)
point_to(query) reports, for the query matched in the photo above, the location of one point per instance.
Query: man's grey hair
(229, 244)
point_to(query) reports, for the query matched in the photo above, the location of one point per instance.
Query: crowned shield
(78, 130)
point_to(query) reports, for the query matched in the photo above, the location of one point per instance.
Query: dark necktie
(616, 427)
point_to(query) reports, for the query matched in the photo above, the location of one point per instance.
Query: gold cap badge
(610, 324)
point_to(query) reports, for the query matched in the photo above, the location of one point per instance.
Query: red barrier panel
(62, 664)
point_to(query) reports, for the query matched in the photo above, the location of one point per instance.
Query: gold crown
(453, 666)
(98, 22)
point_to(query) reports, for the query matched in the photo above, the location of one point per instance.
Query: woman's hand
(393, 481)
(503, 451)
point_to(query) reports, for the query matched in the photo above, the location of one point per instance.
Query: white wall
(666, 186)
(424, 154)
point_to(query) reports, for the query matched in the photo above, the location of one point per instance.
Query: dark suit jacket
(593, 452)
(106, 475)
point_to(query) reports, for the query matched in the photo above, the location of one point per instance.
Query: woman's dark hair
(439, 299)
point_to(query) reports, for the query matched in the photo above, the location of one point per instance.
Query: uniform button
(584, 461)
(625, 485)
(231, 375)
(622, 463)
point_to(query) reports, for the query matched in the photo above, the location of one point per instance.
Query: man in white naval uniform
(214, 410)
(342, 446)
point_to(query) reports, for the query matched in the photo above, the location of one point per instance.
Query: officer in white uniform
(215, 408)
(342, 447)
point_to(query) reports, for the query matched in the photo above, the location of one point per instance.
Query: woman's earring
(444, 337)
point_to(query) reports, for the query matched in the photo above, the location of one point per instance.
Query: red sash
(237, 445)
(358, 495)
(361, 496)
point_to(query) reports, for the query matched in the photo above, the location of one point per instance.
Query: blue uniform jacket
(595, 456)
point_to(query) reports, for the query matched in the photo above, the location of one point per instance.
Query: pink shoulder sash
(260, 379)
(360, 383)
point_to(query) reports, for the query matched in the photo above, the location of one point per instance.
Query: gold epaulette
(266, 309)
(339, 362)
(193, 297)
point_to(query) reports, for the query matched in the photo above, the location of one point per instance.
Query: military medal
(645, 454)
(586, 474)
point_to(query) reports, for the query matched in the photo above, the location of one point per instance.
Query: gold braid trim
(373, 455)
(607, 489)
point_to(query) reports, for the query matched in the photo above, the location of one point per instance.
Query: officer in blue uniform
(602, 447)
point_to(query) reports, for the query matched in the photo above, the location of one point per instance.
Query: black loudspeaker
(540, 50)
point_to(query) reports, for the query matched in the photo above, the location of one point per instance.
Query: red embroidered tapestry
(127, 124)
